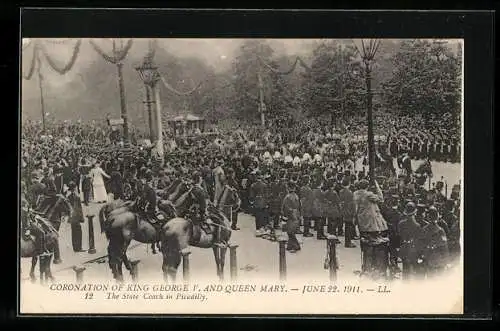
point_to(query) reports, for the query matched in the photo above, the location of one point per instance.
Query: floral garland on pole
(298, 60)
(69, 65)
(117, 57)
(173, 90)
(32, 64)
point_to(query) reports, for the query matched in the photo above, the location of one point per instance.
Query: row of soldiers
(422, 225)
(444, 150)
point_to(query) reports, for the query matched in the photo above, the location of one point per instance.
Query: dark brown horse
(181, 232)
(46, 221)
(122, 225)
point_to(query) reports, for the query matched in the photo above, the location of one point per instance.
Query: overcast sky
(216, 52)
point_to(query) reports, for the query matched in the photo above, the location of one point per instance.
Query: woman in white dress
(100, 194)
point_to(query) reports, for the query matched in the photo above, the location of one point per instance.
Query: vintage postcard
(241, 176)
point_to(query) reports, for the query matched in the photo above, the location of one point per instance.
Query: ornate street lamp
(367, 48)
(149, 75)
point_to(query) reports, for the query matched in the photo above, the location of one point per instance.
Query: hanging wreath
(69, 65)
(32, 64)
(286, 72)
(173, 90)
(117, 57)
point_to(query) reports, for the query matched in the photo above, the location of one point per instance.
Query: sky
(216, 52)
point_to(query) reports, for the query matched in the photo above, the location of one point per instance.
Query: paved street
(256, 258)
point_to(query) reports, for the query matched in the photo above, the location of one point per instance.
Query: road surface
(256, 258)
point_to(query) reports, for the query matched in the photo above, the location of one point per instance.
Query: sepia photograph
(241, 176)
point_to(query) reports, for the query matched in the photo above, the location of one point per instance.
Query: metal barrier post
(185, 264)
(91, 234)
(331, 247)
(282, 256)
(79, 273)
(233, 265)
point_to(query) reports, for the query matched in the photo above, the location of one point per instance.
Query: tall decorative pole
(40, 86)
(148, 73)
(367, 54)
(150, 76)
(262, 106)
(117, 59)
(123, 103)
(40, 50)
(159, 129)
(150, 114)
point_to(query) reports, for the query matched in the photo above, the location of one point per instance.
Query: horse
(50, 212)
(114, 206)
(123, 224)
(181, 232)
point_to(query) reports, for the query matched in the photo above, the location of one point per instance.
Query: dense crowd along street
(375, 170)
(259, 171)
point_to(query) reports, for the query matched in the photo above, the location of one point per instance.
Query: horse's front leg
(127, 238)
(48, 271)
(42, 268)
(34, 260)
(217, 259)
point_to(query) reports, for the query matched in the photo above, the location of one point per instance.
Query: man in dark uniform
(49, 182)
(76, 217)
(86, 187)
(37, 190)
(306, 203)
(435, 244)
(258, 194)
(275, 199)
(116, 183)
(347, 211)
(291, 211)
(318, 211)
(147, 199)
(390, 212)
(332, 204)
(411, 241)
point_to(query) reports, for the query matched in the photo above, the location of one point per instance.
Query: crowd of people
(303, 179)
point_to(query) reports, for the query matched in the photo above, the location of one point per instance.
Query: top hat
(363, 184)
(432, 214)
(410, 209)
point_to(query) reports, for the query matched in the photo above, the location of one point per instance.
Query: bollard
(185, 264)
(233, 265)
(79, 273)
(331, 247)
(91, 234)
(134, 272)
(282, 259)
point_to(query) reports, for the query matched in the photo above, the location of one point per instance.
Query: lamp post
(149, 75)
(367, 52)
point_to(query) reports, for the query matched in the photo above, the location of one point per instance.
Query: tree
(334, 85)
(426, 79)
(245, 66)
